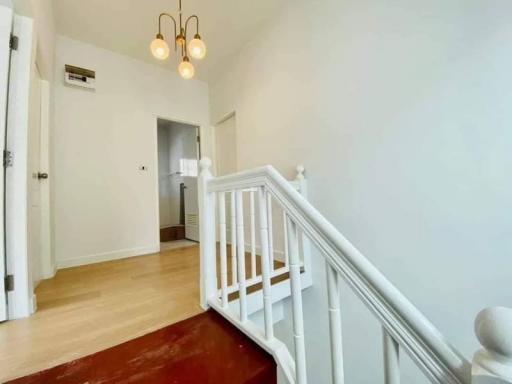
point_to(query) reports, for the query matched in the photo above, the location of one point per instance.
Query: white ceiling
(128, 26)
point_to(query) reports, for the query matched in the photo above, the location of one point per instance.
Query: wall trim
(107, 256)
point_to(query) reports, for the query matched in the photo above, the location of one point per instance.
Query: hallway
(86, 309)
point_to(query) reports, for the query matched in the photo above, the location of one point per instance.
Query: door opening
(178, 155)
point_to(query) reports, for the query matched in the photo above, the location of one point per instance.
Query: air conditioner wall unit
(80, 77)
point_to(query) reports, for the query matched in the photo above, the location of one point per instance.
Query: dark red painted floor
(204, 349)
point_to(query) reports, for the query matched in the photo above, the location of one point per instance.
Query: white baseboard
(278, 254)
(33, 304)
(107, 256)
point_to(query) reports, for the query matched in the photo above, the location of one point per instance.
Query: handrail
(401, 320)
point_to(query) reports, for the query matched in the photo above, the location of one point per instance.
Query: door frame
(204, 148)
(6, 22)
(21, 301)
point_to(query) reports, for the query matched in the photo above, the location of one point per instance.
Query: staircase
(249, 272)
(405, 329)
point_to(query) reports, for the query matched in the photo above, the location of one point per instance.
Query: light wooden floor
(86, 309)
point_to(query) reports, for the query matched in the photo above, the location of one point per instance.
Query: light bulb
(159, 48)
(197, 48)
(186, 69)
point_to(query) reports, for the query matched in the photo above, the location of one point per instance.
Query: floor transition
(204, 349)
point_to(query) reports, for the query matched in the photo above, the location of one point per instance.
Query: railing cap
(493, 328)
(205, 163)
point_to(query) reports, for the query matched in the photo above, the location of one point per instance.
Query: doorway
(178, 156)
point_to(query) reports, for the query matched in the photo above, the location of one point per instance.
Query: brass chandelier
(195, 47)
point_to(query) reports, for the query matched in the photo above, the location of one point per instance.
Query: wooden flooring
(204, 349)
(87, 309)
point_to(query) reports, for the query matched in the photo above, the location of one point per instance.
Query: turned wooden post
(493, 363)
(208, 272)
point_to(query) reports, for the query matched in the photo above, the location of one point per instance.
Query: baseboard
(33, 304)
(107, 256)
(278, 254)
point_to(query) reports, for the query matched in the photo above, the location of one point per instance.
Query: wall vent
(192, 219)
(80, 77)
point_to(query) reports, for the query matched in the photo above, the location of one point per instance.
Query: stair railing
(404, 327)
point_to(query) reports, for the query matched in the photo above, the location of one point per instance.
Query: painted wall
(41, 11)
(105, 207)
(176, 142)
(400, 112)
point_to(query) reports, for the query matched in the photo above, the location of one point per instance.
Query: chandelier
(195, 47)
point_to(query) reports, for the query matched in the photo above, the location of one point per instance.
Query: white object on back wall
(80, 77)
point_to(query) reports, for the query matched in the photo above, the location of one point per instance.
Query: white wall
(41, 11)
(105, 207)
(400, 112)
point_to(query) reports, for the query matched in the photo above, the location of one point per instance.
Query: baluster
(270, 232)
(208, 270)
(265, 268)
(391, 359)
(242, 289)
(296, 290)
(253, 235)
(285, 228)
(233, 239)
(333, 291)
(223, 253)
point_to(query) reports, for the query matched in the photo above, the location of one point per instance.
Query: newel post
(207, 239)
(493, 363)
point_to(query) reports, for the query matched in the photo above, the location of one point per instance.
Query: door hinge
(198, 139)
(13, 42)
(9, 283)
(8, 161)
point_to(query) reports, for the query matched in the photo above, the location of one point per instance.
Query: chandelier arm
(160, 26)
(179, 6)
(197, 24)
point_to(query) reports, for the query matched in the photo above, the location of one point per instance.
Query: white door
(34, 167)
(190, 180)
(5, 33)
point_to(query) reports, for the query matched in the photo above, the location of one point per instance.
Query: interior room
(255, 192)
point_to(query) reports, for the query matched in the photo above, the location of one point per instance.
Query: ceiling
(128, 26)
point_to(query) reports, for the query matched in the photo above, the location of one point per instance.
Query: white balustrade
(391, 359)
(493, 363)
(285, 232)
(404, 327)
(234, 267)
(208, 269)
(253, 234)
(265, 264)
(242, 288)
(298, 321)
(270, 231)
(333, 296)
(223, 246)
